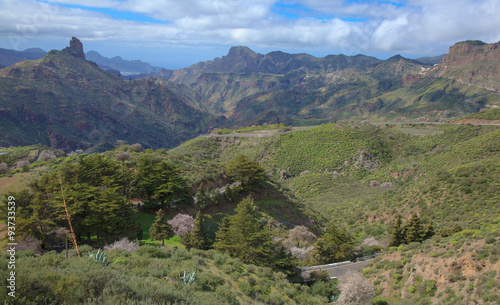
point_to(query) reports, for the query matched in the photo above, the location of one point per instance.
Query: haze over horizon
(176, 34)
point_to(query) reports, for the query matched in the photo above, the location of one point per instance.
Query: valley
(216, 183)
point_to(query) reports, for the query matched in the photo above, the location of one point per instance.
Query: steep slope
(67, 102)
(243, 72)
(398, 88)
(474, 63)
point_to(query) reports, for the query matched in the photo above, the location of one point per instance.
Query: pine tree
(335, 246)
(161, 229)
(414, 230)
(202, 198)
(429, 231)
(231, 193)
(397, 237)
(215, 197)
(222, 235)
(245, 170)
(244, 237)
(199, 238)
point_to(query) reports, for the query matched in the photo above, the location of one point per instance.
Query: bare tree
(23, 164)
(3, 168)
(182, 223)
(300, 236)
(123, 156)
(355, 290)
(374, 183)
(28, 243)
(301, 253)
(137, 147)
(46, 155)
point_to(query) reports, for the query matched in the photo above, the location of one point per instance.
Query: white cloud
(415, 26)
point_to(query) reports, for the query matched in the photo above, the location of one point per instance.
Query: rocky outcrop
(75, 48)
(474, 63)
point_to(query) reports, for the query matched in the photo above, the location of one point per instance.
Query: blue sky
(175, 34)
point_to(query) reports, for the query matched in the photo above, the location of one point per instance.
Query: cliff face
(474, 63)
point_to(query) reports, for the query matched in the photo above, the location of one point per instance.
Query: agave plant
(100, 257)
(188, 278)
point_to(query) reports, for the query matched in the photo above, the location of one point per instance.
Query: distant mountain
(474, 63)
(251, 88)
(66, 102)
(243, 72)
(10, 57)
(126, 67)
(431, 60)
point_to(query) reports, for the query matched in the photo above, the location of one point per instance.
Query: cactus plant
(188, 278)
(100, 257)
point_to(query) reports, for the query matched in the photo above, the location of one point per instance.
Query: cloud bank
(411, 26)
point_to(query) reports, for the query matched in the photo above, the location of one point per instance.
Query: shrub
(386, 184)
(430, 288)
(123, 244)
(374, 183)
(380, 301)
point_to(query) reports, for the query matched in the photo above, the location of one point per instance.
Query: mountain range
(65, 101)
(116, 65)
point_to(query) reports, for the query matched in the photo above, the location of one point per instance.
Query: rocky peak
(240, 52)
(75, 48)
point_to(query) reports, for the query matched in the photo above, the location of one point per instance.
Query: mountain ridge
(69, 103)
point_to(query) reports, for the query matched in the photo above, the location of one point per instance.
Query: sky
(177, 33)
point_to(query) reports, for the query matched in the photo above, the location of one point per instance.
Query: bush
(122, 244)
(151, 251)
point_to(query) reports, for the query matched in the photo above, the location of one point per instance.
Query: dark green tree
(199, 238)
(160, 180)
(247, 171)
(140, 233)
(414, 230)
(232, 194)
(202, 198)
(335, 246)
(215, 197)
(429, 231)
(243, 236)
(397, 237)
(161, 229)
